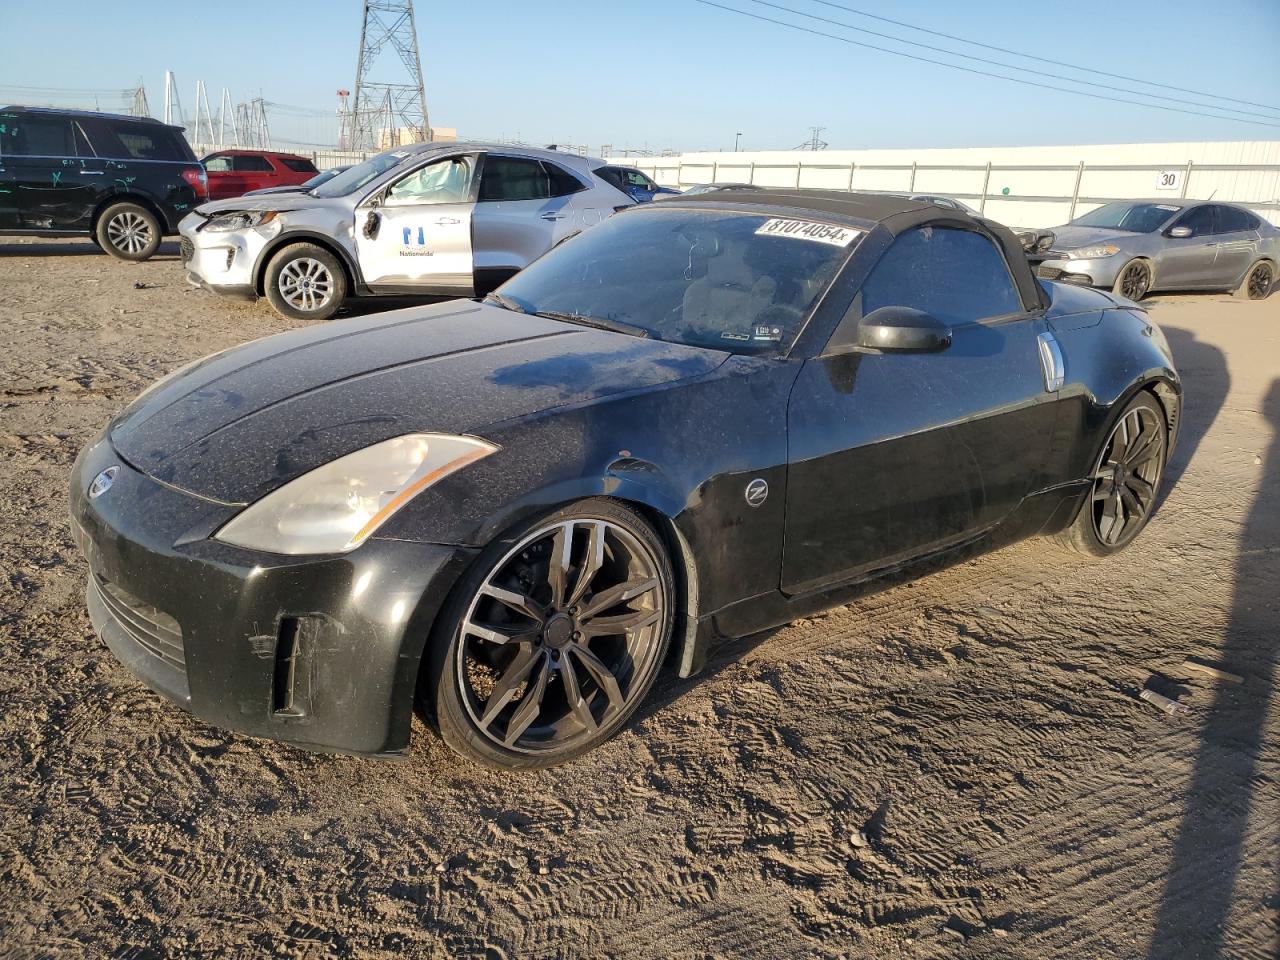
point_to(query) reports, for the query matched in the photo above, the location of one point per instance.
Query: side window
(513, 178)
(444, 181)
(634, 178)
(1235, 220)
(35, 136)
(611, 176)
(250, 164)
(1200, 219)
(299, 165)
(563, 182)
(957, 276)
(142, 144)
(217, 164)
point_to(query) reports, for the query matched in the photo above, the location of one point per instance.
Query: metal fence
(1016, 194)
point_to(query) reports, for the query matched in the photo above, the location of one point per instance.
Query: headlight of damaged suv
(338, 506)
(224, 222)
(1095, 252)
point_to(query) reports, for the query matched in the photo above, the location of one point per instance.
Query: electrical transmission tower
(385, 114)
(814, 142)
(138, 106)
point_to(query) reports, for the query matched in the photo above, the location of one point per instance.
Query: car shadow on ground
(78, 248)
(1204, 368)
(1228, 785)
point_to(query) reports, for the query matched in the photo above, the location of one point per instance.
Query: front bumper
(323, 652)
(222, 262)
(1098, 272)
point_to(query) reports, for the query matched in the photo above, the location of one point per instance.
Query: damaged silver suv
(452, 219)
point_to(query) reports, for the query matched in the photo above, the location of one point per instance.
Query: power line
(1012, 66)
(981, 73)
(1029, 56)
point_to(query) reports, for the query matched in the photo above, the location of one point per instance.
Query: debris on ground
(1166, 704)
(1212, 671)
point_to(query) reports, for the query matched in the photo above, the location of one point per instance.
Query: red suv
(233, 173)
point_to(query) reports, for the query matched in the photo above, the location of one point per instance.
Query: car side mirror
(1180, 233)
(372, 221)
(901, 330)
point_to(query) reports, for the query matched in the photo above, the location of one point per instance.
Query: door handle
(447, 221)
(92, 173)
(552, 215)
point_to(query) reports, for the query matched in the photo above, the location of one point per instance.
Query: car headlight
(338, 506)
(1093, 253)
(240, 220)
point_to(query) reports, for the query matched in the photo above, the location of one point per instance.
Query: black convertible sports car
(700, 419)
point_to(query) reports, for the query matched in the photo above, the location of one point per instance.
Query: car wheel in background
(552, 639)
(305, 282)
(1134, 280)
(1258, 282)
(1125, 481)
(128, 231)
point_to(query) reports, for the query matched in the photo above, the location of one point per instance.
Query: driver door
(414, 236)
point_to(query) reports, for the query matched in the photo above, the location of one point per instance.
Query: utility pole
(204, 116)
(400, 105)
(737, 137)
(172, 105)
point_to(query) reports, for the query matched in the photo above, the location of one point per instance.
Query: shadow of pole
(1209, 852)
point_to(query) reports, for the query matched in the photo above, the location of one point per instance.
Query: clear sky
(676, 73)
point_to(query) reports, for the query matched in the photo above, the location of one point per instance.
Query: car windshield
(742, 282)
(353, 178)
(1133, 217)
(320, 178)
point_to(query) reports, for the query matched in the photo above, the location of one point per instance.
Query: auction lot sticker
(808, 230)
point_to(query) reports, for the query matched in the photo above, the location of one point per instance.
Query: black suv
(122, 181)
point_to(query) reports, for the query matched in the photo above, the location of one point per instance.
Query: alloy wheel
(129, 232)
(305, 284)
(1136, 280)
(1127, 476)
(558, 640)
(1260, 279)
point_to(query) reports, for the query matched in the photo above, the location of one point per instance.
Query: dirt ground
(959, 767)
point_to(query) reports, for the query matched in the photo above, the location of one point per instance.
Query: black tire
(1259, 281)
(518, 703)
(1134, 280)
(1126, 481)
(128, 231)
(304, 281)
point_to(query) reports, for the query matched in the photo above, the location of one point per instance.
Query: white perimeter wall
(1042, 181)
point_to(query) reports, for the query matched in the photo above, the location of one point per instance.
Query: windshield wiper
(616, 326)
(505, 302)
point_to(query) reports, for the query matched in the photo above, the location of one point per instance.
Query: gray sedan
(450, 219)
(1134, 247)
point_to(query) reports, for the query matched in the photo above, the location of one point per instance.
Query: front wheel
(1126, 481)
(553, 638)
(305, 282)
(128, 232)
(1134, 280)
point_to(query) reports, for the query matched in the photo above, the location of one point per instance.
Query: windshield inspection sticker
(808, 230)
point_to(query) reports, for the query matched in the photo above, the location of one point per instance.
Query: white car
(451, 219)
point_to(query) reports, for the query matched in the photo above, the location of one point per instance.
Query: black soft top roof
(894, 213)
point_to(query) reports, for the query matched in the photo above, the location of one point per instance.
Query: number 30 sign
(1169, 180)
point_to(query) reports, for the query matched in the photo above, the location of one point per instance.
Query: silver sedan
(1134, 247)
(450, 219)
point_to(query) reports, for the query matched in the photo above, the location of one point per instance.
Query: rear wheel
(553, 638)
(1258, 282)
(1134, 280)
(1126, 481)
(305, 282)
(128, 231)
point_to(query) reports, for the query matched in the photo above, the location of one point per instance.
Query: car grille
(188, 249)
(1048, 273)
(154, 630)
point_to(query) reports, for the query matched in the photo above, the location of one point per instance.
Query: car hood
(239, 424)
(1072, 238)
(293, 200)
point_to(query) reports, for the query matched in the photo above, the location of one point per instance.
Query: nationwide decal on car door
(809, 230)
(418, 249)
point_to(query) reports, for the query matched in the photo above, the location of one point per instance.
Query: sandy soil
(959, 767)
